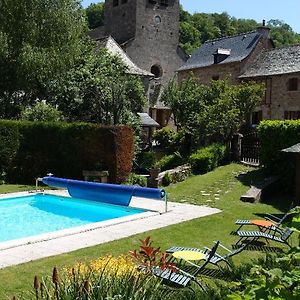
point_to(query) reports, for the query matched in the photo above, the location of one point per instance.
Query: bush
(275, 136)
(33, 149)
(146, 160)
(167, 179)
(135, 179)
(165, 138)
(208, 158)
(42, 112)
(170, 161)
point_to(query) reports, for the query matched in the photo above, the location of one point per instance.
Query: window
(152, 1)
(215, 77)
(256, 117)
(292, 115)
(157, 71)
(157, 19)
(293, 84)
(164, 2)
(115, 3)
(124, 1)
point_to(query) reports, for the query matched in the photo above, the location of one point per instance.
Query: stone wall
(279, 99)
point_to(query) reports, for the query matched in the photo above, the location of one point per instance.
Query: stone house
(279, 70)
(252, 57)
(148, 31)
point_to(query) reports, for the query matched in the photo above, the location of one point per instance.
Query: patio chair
(180, 278)
(281, 236)
(270, 221)
(216, 258)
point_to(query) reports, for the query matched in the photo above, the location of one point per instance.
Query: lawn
(221, 188)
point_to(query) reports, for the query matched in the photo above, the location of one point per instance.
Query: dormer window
(221, 54)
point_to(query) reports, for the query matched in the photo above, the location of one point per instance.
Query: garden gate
(250, 148)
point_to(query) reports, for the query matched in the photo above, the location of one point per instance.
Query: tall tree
(39, 40)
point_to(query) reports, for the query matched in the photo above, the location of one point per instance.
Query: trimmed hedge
(33, 149)
(208, 158)
(275, 136)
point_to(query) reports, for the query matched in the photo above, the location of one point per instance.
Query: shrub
(146, 160)
(167, 179)
(42, 112)
(208, 158)
(165, 137)
(134, 179)
(170, 161)
(275, 136)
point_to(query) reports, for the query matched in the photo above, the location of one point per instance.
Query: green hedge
(275, 136)
(208, 158)
(32, 149)
(172, 161)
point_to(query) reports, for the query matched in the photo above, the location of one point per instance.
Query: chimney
(264, 30)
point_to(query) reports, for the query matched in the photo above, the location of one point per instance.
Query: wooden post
(298, 179)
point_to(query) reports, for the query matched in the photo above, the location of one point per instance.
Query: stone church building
(252, 56)
(148, 32)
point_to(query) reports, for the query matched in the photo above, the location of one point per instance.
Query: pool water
(36, 214)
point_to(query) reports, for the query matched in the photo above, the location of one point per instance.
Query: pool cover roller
(103, 192)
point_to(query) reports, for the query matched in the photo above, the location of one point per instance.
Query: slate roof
(275, 62)
(147, 121)
(240, 47)
(292, 149)
(113, 48)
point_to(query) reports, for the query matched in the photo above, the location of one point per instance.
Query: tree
(95, 15)
(39, 40)
(206, 114)
(98, 89)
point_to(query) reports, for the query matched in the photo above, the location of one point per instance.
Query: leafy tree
(207, 114)
(39, 40)
(98, 89)
(95, 15)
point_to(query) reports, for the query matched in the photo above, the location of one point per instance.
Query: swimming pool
(36, 214)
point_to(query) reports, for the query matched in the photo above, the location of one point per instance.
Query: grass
(13, 188)
(221, 188)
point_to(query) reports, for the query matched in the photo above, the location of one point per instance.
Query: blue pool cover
(103, 192)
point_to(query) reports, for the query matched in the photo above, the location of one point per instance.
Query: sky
(285, 10)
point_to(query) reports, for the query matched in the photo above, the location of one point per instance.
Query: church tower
(148, 31)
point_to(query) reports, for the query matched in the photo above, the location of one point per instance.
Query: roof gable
(238, 47)
(113, 48)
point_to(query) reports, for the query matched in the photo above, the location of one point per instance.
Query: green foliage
(279, 281)
(208, 158)
(95, 15)
(98, 90)
(165, 138)
(167, 179)
(135, 179)
(275, 136)
(33, 149)
(196, 106)
(40, 40)
(146, 159)
(9, 144)
(168, 162)
(43, 112)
